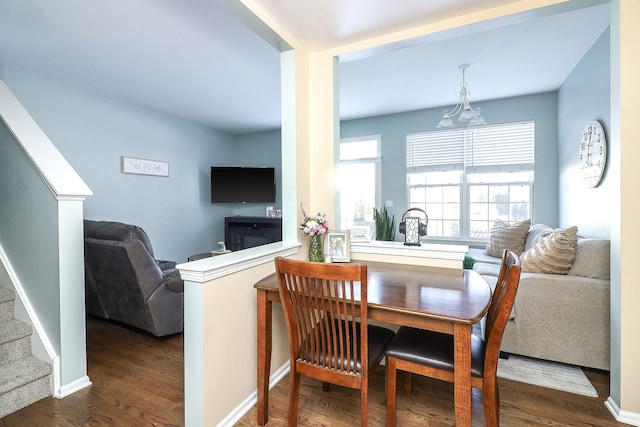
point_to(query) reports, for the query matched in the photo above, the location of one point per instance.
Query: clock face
(593, 154)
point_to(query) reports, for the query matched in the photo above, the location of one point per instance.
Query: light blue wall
(93, 132)
(584, 96)
(393, 129)
(29, 231)
(260, 149)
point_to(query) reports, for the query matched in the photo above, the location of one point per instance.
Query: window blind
(441, 148)
(505, 146)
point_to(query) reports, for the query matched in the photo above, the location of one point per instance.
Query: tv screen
(242, 185)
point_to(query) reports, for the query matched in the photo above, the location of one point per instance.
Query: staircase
(24, 379)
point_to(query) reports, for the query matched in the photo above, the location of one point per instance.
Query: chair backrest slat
(325, 308)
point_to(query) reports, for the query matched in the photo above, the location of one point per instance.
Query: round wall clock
(593, 154)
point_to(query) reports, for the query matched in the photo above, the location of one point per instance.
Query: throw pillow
(507, 236)
(552, 254)
(535, 233)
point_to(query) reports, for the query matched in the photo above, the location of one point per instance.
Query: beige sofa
(564, 318)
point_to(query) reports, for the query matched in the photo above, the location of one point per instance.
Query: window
(358, 180)
(465, 179)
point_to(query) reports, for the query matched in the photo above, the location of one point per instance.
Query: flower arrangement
(313, 225)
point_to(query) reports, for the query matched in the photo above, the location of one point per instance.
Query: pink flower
(314, 225)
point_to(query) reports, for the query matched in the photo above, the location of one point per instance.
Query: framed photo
(360, 234)
(144, 166)
(338, 246)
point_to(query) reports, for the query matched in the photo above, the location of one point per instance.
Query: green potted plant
(385, 224)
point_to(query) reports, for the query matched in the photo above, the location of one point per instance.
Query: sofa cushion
(487, 269)
(478, 255)
(507, 236)
(535, 233)
(592, 259)
(552, 254)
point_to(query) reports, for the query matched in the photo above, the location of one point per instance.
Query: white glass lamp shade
(412, 231)
(477, 120)
(467, 114)
(446, 122)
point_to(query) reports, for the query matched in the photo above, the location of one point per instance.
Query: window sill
(428, 254)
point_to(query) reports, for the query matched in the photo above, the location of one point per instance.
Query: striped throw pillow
(507, 236)
(552, 254)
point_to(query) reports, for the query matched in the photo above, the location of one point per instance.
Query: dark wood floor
(138, 380)
(431, 404)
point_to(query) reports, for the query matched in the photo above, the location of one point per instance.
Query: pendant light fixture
(467, 114)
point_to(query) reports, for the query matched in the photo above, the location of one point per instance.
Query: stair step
(14, 329)
(7, 304)
(22, 383)
(15, 341)
(7, 294)
(21, 372)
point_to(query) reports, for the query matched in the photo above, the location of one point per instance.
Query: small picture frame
(360, 234)
(338, 246)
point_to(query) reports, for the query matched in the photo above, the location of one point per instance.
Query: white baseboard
(245, 406)
(621, 416)
(67, 389)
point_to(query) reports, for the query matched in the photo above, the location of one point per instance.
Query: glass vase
(315, 248)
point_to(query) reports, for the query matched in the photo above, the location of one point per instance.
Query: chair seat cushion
(378, 340)
(434, 349)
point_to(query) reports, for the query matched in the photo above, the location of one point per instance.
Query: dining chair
(325, 309)
(431, 353)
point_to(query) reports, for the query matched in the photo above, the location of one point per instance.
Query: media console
(242, 232)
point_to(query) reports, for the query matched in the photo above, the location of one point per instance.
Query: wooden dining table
(448, 301)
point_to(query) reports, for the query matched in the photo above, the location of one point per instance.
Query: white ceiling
(192, 59)
(320, 25)
(532, 56)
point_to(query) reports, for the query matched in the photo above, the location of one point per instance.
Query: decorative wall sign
(144, 166)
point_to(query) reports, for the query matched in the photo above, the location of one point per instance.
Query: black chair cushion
(378, 340)
(434, 349)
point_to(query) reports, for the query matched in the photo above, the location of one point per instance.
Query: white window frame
(376, 161)
(454, 151)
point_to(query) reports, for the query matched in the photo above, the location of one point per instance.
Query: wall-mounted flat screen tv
(242, 185)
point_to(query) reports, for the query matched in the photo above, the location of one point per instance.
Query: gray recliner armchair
(123, 281)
